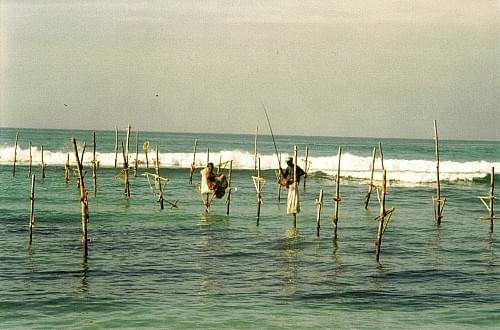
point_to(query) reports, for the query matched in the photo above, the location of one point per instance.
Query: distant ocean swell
(352, 166)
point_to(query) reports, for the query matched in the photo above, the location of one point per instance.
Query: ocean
(183, 268)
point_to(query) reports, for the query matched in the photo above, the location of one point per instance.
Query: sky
(368, 68)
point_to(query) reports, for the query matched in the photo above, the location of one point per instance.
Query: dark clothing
(288, 174)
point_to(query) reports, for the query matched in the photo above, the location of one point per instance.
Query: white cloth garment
(292, 202)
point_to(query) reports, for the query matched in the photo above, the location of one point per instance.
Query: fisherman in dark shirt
(288, 174)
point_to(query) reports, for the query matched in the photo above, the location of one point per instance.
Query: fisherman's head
(289, 161)
(210, 166)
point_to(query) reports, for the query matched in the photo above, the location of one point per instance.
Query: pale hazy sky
(380, 68)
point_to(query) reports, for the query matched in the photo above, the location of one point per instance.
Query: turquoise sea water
(182, 268)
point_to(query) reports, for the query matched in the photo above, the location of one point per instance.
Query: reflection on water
(291, 254)
(83, 288)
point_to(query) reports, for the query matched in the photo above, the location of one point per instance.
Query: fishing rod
(272, 135)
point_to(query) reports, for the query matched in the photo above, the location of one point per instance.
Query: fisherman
(287, 177)
(208, 179)
(288, 180)
(213, 183)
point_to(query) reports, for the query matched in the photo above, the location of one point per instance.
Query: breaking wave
(352, 166)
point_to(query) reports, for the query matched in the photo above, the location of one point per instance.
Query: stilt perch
(15, 155)
(258, 182)
(370, 185)
(116, 145)
(255, 149)
(42, 164)
(32, 208)
(488, 201)
(31, 160)
(307, 165)
(136, 161)
(145, 148)
(84, 203)
(319, 206)
(438, 200)
(230, 188)
(337, 198)
(382, 223)
(94, 166)
(66, 169)
(193, 164)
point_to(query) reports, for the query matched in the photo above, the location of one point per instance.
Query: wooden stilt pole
(370, 185)
(145, 148)
(259, 195)
(382, 223)
(31, 160)
(279, 176)
(295, 185)
(15, 155)
(43, 165)
(255, 149)
(488, 201)
(306, 166)
(381, 155)
(125, 172)
(319, 205)
(84, 203)
(438, 200)
(337, 198)
(66, 169)
(116, 145)
(193, 164)
(158, 179)
(94, 166)
(228, 200)
(32, 207)
(208, 155)
(136, 161)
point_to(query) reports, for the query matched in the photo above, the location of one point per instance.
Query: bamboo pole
(279, 176)
(127, 145)
(295, 185)
(370, 185)
(381, 155)
(193, 164)
(208, 155)
(94, 166)
(490, 198)
(337, 198)
(381, 217)
(32, 207)
(382, 223)
(15, 155)
(228, 200)
(136, 162)
(319, 206)
(83, 198)
(158, 179)
(145, 148)
(43, 165)
(306, 166)
(66, 169)
(116, 145)
(438, 200)
(31, 160)
(259, 195)
(125, 172)
(255, 149)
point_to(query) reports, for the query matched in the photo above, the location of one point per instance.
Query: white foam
(353, 166)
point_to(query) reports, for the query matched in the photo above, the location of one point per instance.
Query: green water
(181, 268)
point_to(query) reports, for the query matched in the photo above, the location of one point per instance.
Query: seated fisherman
(287, 177)
(211, 182)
